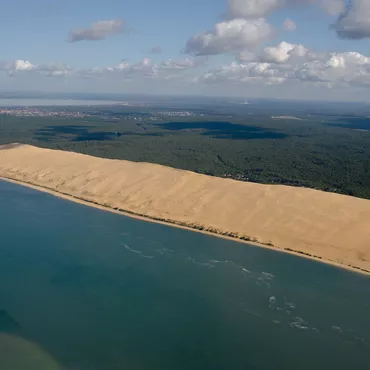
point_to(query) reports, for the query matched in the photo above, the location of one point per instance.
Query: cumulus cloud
(349, 68)
(244, 28)
(283, 52)
(97, 31)
(282, 64)
(290, 63)
(294, 63)
(143, 69)
(230, 36)
(24, 66)
(354, 22)
(21, 65)
(245, 74)
(289, 25)
(146, 67)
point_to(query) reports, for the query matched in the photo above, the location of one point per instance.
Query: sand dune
(333, 227)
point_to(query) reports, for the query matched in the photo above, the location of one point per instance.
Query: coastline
(190, 227)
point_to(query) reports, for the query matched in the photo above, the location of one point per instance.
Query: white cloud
(283, 52)
(21, 65)
(143, 69)
(230, 36)
(353, 15)
(284, 64)
(97, 31)
(347, 68)
(25, 67)
(354, 22)
(146, 67)
(245, 27)
(289, 63)
(279, 54)
(289, 25)
(245, 73)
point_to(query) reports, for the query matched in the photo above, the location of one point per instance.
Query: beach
(328, 227)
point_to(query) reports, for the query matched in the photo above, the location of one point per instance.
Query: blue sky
(208, 39)
(37, 30)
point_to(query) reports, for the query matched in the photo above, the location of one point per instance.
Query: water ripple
(135, 251)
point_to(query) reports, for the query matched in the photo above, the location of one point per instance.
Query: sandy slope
(331, 226)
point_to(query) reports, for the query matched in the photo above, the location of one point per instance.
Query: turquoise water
(100, 291)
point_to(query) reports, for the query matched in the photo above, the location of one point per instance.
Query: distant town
(49, 112)
(38, 112)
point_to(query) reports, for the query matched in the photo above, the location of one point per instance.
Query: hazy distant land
(326, 226)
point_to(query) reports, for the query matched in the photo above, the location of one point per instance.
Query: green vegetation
(323, 152)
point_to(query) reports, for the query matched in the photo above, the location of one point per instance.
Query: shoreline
(190, 227)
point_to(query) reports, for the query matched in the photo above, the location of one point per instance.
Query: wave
(135, 251)
(299, 323)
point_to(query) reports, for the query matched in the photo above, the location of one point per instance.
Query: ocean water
(84, 289)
